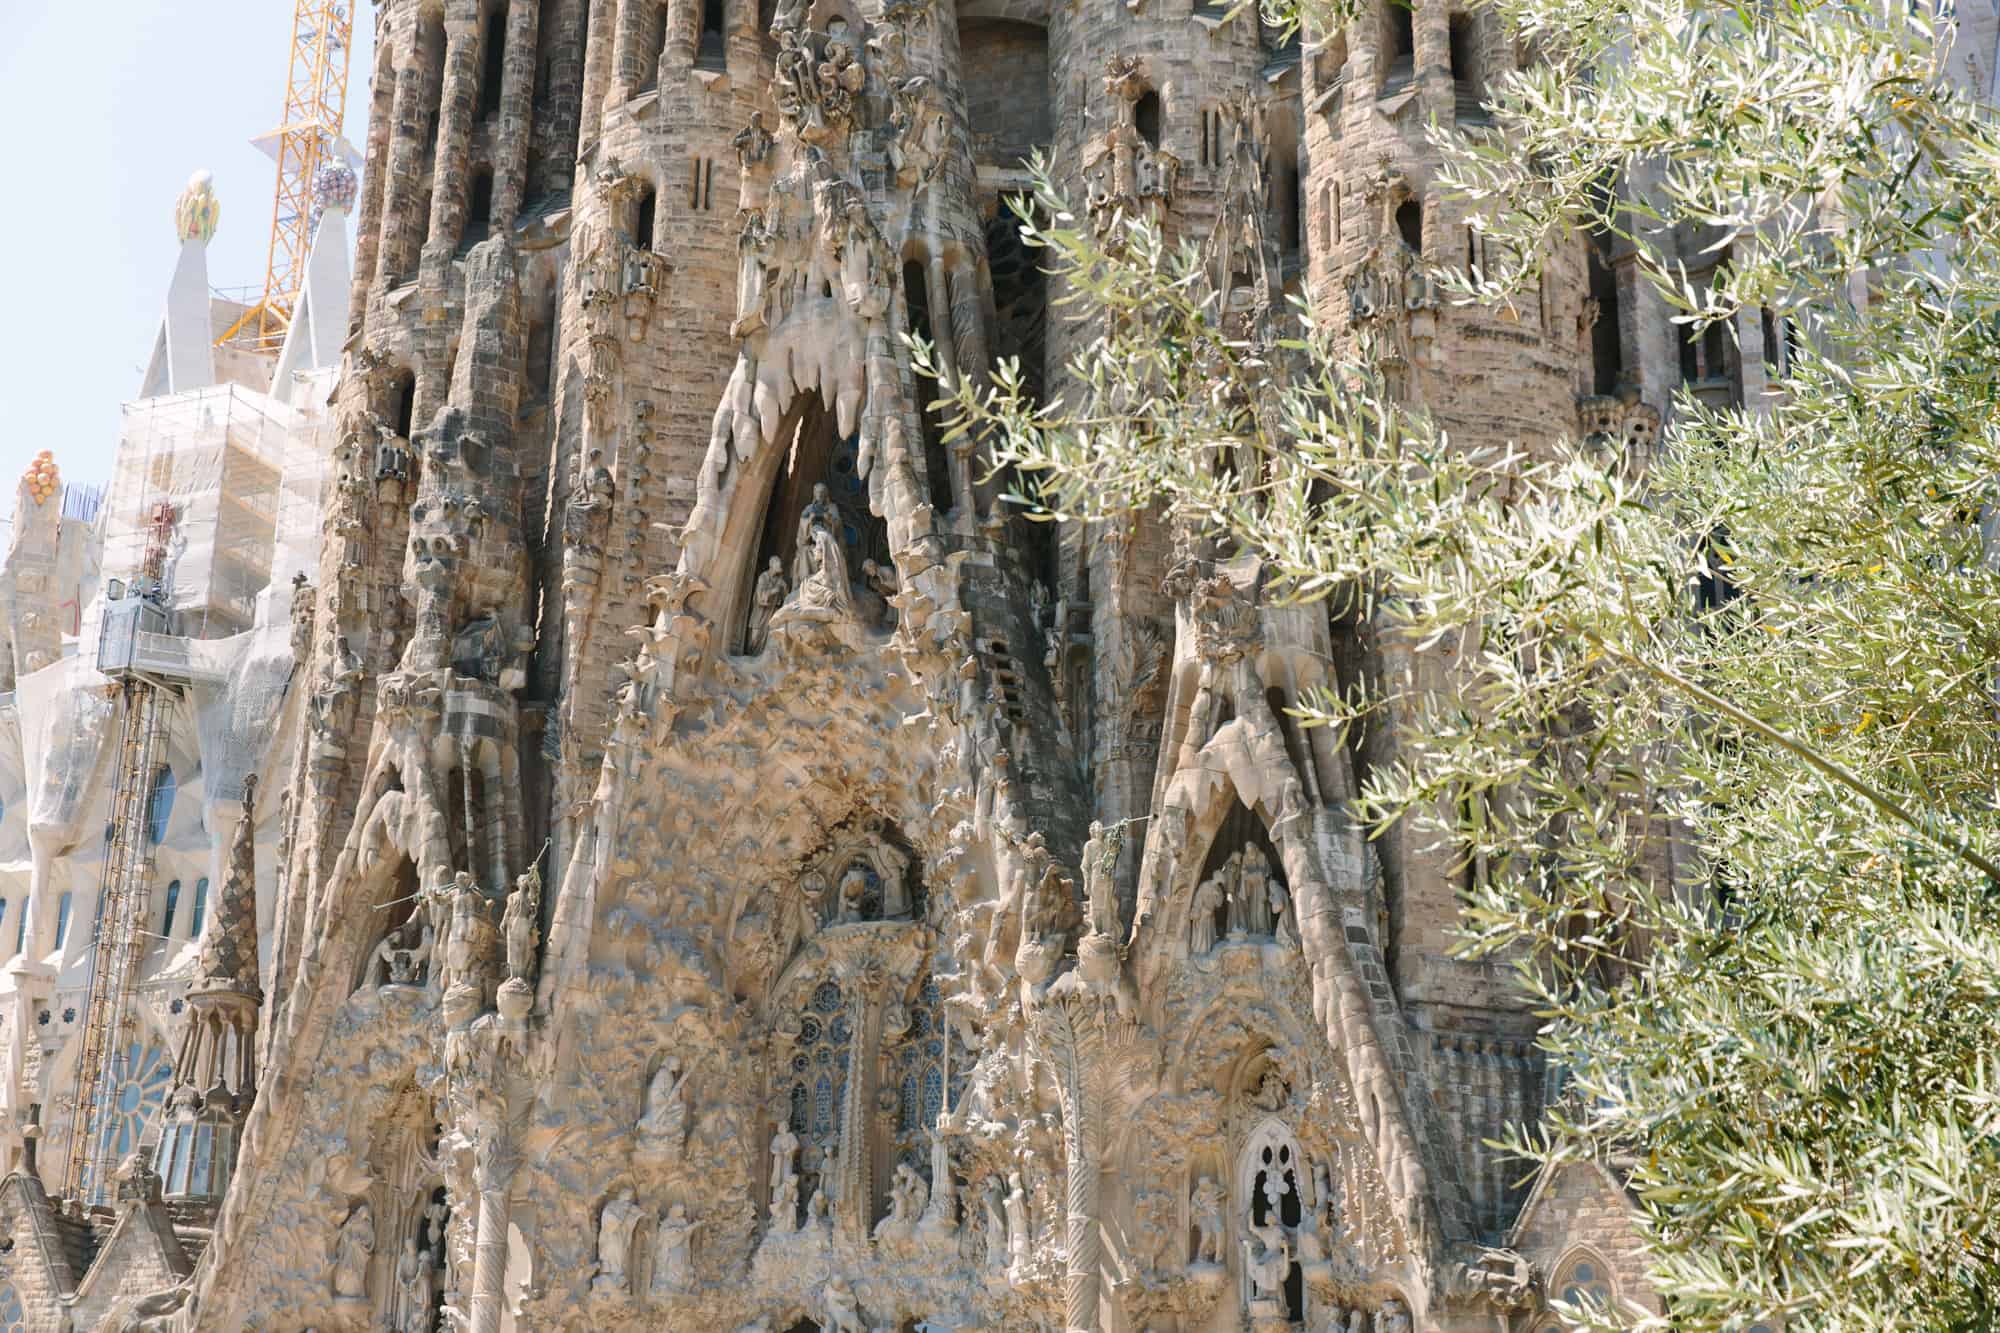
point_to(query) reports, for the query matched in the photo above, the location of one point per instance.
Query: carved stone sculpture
(663, 1125)
(416, 1277)
(1206, 1207)
(614, 1243)
(843, 1308)
(1017, 1220)
(768, 597)
(994, 1202)
(1208, 899)
(353, 1249)
(673, 1254)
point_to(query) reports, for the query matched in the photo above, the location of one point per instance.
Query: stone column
(683, 34)
(967, 315)
(855, 1208)
(455, 113)
(1069, 1037)
(382, 122)
(406, 152)
(493, 1173)
(597, 71)
(627, 56)
(517, 94)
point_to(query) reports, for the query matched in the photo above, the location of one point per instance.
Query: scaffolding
(239, 469)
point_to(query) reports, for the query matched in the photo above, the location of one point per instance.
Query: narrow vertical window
(711, 53)
(173, 901)
(1410, 223)
(1146, 117)
(200, 908)
(478, 208)
(21, 924)
(493, 46)
(160, 809)
(62, 918)
(642, 220)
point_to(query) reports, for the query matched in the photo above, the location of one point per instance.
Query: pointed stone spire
(184, 352)
(228, 958)
(319, 320)
(215, 1077)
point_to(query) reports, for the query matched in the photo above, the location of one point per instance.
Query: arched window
(1585, 1280)
(818, 1081)
(160, 809)
(62, 918)
(1410, 224)
(406, 403)
(13, 1315)
(173, 901)
(712, 53)
(644, 210)
(1146, 117)
(200, 908)
(1271, 1180)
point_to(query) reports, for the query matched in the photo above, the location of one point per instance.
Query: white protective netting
(220, 456)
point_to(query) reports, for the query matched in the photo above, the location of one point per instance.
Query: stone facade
(729, 871)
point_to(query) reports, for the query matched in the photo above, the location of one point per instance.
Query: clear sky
(110, 108)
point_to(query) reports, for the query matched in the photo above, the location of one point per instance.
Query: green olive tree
(1788, 1049)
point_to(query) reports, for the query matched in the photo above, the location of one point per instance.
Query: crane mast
(306, 139)
(146, 700)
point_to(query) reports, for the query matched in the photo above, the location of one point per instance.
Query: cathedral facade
(727, 869)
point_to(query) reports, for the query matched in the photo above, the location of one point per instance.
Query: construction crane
(146, 683)
(307, 138)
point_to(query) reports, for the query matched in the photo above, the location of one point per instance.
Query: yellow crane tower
(307, 138)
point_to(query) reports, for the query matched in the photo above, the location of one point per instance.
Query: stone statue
(353, 1248)
(1254, 892)
(910, 1195)
(769, 596)
(816, 1208)
(1394, 1317)
(1201, 916)
(1206, 1206)
(1017, 1220)
(1271, 1092)
(402, 954)
(1100, 858)
(785, 1205)
(415, 1277)
(1239, 907)
(784, 1157)
(520, 926)
(673, 1253)
(664, 1123)
(1280, 902)
(819, 568)
(843, 1308)
(1267, 1252)
(853, 887)
(614, 1243)
(994, 1200)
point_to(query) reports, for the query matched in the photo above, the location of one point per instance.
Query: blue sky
(110, 109)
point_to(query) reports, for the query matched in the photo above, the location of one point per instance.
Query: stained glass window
(13, 1317)
(819, 1065)
(916, 1063)
(140, 1077)
(160, 809)
(173, 900)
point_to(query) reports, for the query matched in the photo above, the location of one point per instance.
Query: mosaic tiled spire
(228, 959)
